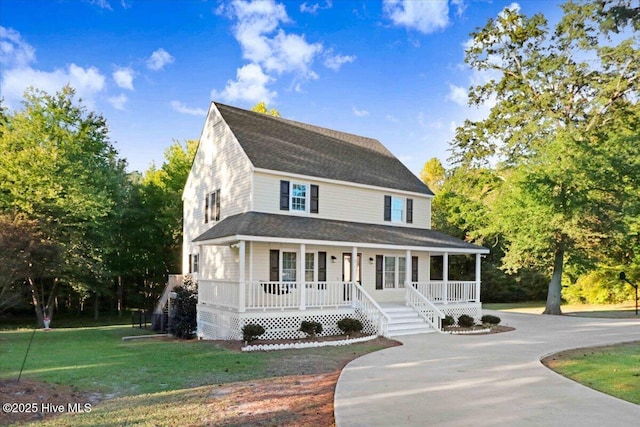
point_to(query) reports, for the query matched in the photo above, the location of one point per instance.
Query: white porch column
(243, 286)
(301, 277)
(445, 277)
(429, 269)
(354, 264)
(408, 269)
(478, 260)
(250, 287)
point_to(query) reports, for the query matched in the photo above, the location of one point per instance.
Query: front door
(346, 273)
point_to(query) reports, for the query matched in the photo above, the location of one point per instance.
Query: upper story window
(299, 197)
(398, 209)
(212, 206)
(194, 263)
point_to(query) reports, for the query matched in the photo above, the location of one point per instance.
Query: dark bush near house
(183, 322)
(349, 326)
(448, 321)
(251, 331)
(490, 319)
(311, 328)
(465, 321)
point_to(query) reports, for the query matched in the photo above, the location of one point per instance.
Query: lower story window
(288, 266)
(395, 270)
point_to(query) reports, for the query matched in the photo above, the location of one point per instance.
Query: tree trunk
(96, 306)
(120, 296)
(35, 299)
(554, 295)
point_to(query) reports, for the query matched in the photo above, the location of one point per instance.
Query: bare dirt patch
(299, 392)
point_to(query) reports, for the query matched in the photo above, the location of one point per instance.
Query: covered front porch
(326, 270)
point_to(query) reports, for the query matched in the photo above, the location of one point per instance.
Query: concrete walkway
(487, 380)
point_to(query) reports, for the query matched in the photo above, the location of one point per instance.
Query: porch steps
(405, 321)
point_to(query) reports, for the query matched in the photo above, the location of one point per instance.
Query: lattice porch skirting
(456, 310)
(219, 324)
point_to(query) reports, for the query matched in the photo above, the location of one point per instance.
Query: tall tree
(563, 132)
(433, 174)
(59, 169)
(261, 107)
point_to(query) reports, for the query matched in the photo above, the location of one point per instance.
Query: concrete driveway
(485, 380)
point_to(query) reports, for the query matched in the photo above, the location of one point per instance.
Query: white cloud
(124, 78)
(118, 102)
(461, 6)
(14, 52)
(182, 108)
(359, 113)
(271, 51)
(424, 16)
(250, 86)
(159, 59)
(313, 9)
(17, 74)
(336, 61)
(458, 94)
(102, 4)
(86, 81)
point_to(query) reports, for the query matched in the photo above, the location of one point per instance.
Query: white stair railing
(425, 308)
(363, 301)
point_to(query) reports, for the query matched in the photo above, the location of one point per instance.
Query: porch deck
(226, 306)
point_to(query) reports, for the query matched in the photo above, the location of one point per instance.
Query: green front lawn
(97, 359)
(614, 370)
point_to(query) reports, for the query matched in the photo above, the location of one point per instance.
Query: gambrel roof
(252, 225)
(288, 146)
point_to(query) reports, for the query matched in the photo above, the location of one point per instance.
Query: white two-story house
(286, 221)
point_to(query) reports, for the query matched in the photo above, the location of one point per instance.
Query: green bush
(311, 328)
(489, 319)
(448, 321)
(349, 326)
(465, 321)
(251, 331)
(183, 322)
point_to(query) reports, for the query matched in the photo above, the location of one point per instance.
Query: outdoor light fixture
(370, 260)
(624, 278)
(333, 259)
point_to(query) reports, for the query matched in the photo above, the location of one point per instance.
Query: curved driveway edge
(484, 380)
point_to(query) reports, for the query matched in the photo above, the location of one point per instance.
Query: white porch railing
(425, 308)
(287, 296)
(440, 292)
(275, 295)
(371, 309)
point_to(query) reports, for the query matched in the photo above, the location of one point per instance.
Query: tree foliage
(60, 170)
(432, 174)
(261, 107)
(562, 135)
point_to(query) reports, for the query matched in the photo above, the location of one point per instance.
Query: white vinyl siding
(221, 163)
(341, 202)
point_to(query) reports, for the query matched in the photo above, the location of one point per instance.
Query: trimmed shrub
(448, 321)
(311, 328)
(349, 326)
(466, 321)
(183, 323)
(490, 319)
(251, 331)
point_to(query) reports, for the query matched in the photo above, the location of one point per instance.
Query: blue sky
(390, 69)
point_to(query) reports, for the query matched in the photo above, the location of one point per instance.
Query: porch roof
(257, 226)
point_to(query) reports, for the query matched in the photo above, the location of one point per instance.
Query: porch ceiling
(257, 226)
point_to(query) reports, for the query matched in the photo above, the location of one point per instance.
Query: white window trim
(307, 198)
(315, 264)
(403, 218)
(396, 278)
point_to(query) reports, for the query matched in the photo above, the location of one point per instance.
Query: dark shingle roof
(288, 146)
(308, 228)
